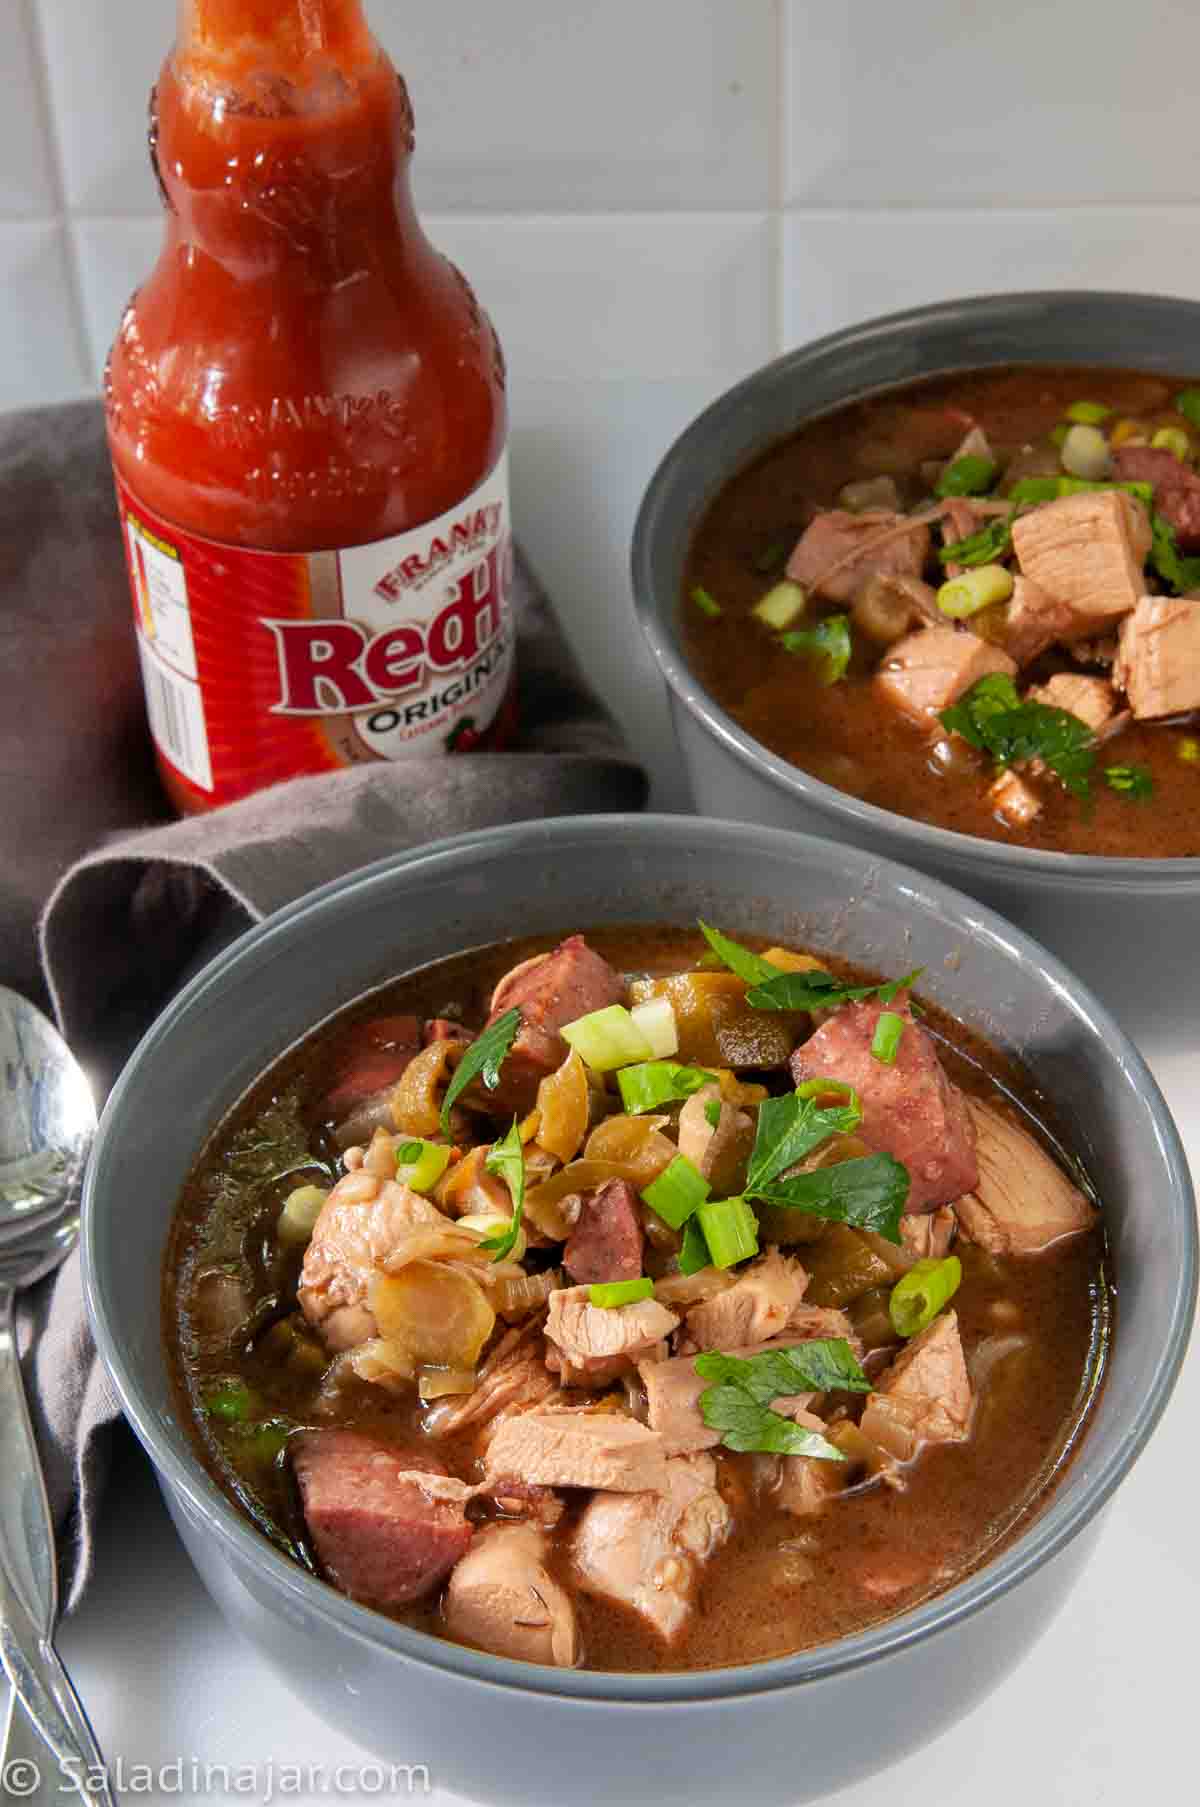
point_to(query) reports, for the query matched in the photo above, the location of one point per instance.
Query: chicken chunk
(361, 1223)
(804, 1485)
(928, 1237)
(647, 1550)
(1158, 665)
(924, 1396)
(549, 990)
(502, 1598)
(382, 1536)
(1093, 700)
(910, 1108)
(1014, 800)
(1034, 620)
(838, 551)
(579, 1449)
(927, 671)
(1022, 1200)
(756, 1308)
(714, 1148)
(513, 1379)
(602, 1341)
(1086, 552)
(608, 1240)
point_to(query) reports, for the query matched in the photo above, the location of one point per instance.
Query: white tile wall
(651, 199)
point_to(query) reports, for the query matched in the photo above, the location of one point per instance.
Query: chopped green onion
(679, 1190)
(925, 1288)
(973, 590)
(772, 557)
(229, 1400)
(1089, 414)
(654, 1082)
(1085, 454)
(1131, 780)
(263, 1442)
(1187, 403)
(656, 1021)
(730, 1230)
(1188, 749)
(781, 605)
(298, 1219)
(990, 542)
(712, 1113)
(484, 1058)
(608, 1294)
(1053, 489)
(607, 1039)
(1059, 433)
(829, 642)
(708, 605)
(889, 1032)
(1173, 440)
(693, 1255)
(967, 476)
(421, 1164)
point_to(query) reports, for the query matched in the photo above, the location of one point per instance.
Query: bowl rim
(1050, 1533)
(657, 616)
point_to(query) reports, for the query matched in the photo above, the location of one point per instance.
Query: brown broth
(781, 1584)
(842, 733)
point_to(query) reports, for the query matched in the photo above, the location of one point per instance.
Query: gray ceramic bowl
(733, 774)
(506, 1732)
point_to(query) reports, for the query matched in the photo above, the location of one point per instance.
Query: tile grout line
(83, 337)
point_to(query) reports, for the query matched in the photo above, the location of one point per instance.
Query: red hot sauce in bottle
(307, 419)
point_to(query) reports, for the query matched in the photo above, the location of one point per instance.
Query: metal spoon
(47, 1120)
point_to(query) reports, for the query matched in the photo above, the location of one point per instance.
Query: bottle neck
(281, 134)
(286, 36)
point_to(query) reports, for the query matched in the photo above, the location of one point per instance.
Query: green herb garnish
(1053, 489)
(708, 605)
(992, 716)
(693, 1254)
(793, 1126)
(983, 547)
(967, 476)
(653, 1082)
(608, 1294)
(1172, 566)
(868, 1193)
(920, 1295)
(738, 1404)
(818, 990)
(712, 1112)
(506, 1159)
(1187, 403)
(1130, 780)
(730, 1230)
(1088, 414)
(229, 1400)
(829, 642)
(677, 1193)
(748, 966)
(483, 1059)
(889, 1033)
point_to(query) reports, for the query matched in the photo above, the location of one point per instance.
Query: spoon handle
(29, 1592)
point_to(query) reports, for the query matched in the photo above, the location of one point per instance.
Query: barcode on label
(176, 715)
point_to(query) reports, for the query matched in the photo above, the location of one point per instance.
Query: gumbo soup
(643, 1302)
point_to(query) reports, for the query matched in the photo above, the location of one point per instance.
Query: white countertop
(1101, 1712)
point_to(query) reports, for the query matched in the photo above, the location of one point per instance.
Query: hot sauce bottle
(307, 420)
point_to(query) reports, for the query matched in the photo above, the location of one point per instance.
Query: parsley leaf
(968, 476)
(506, 1159)
(712, 1113)
(1180, 572)
(751, 967)
(485, 1057)
(983, 547)
(790, 1128)
(1053, 489)
(868, 1193)
(738, 1404)
(992, 717)
(828, 641)
(1132, 780)
(1187, 403)
(821, 991)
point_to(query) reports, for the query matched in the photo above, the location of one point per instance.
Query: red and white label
(260, 666)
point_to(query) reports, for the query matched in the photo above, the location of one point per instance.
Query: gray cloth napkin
(130, 915)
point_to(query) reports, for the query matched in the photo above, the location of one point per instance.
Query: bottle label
(261, 666)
